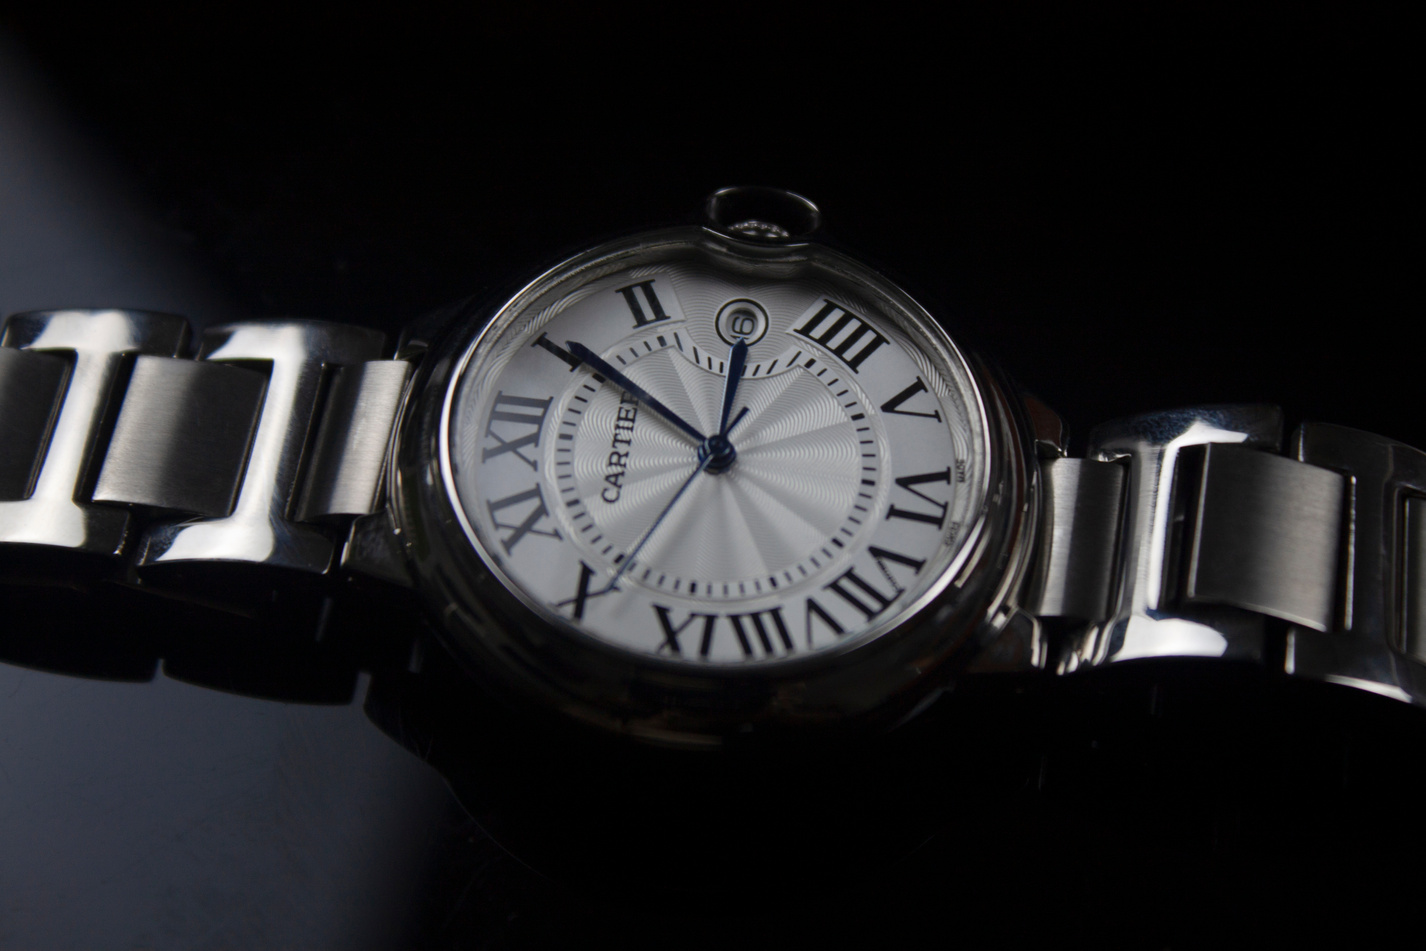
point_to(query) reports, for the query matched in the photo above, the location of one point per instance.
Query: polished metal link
(182, 437)
(1383, 473)
(97, 345)
(1144, 619)
(101, 415)
(1375, 645)
(1266, 535)
(259, 530)
(1179, 535)
(1083, 508)
(111, 442)
(345, 475)
(1219, 532)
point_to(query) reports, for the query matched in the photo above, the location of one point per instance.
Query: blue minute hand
(603, 368)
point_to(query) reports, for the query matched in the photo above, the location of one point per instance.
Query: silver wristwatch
(710, 482)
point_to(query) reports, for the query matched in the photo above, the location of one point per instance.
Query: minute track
(815, 556)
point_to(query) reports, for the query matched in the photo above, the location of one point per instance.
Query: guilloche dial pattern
(587, 457)
(800, 473)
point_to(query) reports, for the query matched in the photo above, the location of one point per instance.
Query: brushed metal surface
(1143, 621)
(1382, 472)
(181, 440)
(30, 385)
(1334, 541)
(1374, 644)
(1266, 536)
(259, 530)
(99, 342)
(346, 471)
(1083, 508)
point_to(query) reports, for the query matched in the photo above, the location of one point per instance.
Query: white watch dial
(626, 482)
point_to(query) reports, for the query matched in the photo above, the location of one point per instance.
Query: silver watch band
(1183, 533)
(254, 451)
(1180, 534)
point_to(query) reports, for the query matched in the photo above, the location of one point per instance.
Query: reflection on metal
(1152, 445)
(30, 385)
(1371, 686)
(1078, 540)
(1373, 638)
(1168, 637)
(182, 436)
(373, 548)
(757, 213)
(1266, 535)
(352, 444)
(259, 530)
(1215, 539)
(97, 344)
(1174, 539)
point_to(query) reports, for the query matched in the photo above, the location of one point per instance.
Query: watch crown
(763, 214)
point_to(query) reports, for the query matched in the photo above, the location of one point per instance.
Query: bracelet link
(261, 528)
(1220, 532)
(98, 346)
(182, 437)
(1378, 643)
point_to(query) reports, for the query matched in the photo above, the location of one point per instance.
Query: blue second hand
(628, 561)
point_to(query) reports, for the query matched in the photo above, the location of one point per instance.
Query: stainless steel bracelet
(115, 443)
(1182, 533)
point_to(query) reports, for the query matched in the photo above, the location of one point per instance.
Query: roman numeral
(893, 405)
(532, 503)
(853, 588)
(909, 483)
(631, 297)
(545, 343)
(842, 332)
(881, 556)
(582, 593)
(758, 633)
(812, 609)
(671, 632)
(523, 419)
(753, 633)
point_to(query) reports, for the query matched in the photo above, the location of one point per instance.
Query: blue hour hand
(737, 360)
(605, 369)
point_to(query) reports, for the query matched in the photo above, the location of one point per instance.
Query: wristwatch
(714, 528)
(722, 541)
(710, 482)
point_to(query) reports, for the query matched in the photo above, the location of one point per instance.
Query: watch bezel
(515, 650)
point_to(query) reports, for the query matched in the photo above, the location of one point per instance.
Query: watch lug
(1146, 617)
(373, 548)
(1020, 646)
(1047, 427)
(418, 336)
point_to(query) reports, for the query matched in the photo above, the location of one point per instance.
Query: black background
(1128, 211)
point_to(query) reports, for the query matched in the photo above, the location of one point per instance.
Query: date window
(742, 319)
